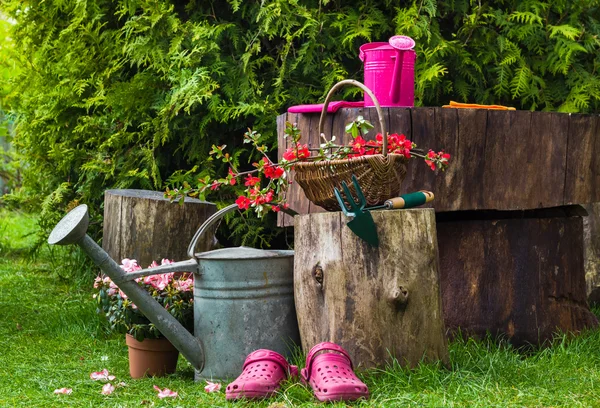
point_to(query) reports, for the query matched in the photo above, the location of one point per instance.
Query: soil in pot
(151, 357)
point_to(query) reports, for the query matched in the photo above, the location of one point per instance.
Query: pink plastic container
(389, 73)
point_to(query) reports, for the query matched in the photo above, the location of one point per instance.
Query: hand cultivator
(362, 223)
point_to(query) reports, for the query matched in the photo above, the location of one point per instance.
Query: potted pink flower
(150, 353)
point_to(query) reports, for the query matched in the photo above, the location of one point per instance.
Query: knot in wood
(399, 295)
(317, 273)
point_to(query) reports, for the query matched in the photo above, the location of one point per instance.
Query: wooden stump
(591, 252)
(521, 278)
(143, 225)
(374, 302)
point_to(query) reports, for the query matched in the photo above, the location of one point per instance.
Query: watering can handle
(206, 225)
(368, 92)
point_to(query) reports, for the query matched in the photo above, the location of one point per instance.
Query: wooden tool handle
(410, 200)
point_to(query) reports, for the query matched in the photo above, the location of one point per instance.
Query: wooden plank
(445, 185)
(284, 220)
(281, 147)
(493, 281)
(468, 160)
(504, 160)
(423, 131)
(399, 121)
(315, 141)
(507, 174)
(296, 197)
(546, 160)
(377, 303)
(582, 180)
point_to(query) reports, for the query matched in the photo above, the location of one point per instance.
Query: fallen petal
(165, 393)
(102, 375)
(66, 391)
(108, 389)
(212, 387)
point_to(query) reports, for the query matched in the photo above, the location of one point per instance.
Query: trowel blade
(364, 227)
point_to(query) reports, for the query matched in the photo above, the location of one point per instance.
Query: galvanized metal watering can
(390, 71)
(243, 297)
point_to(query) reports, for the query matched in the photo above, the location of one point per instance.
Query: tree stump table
(508, 222)
(143, 225)
(377, 303)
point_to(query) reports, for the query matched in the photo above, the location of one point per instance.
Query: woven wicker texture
(380, 176)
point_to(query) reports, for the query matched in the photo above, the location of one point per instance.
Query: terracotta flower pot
(151, 357)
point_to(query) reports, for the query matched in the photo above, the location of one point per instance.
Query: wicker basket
(379, 175)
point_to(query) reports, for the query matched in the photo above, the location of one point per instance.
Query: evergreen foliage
(132, 93)
(9, 175)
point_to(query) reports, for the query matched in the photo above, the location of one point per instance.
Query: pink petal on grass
(108, 389)
(165, 393)
(102, 375)
(66, 391)
(212, 387)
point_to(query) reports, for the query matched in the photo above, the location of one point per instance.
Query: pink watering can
(390, 71)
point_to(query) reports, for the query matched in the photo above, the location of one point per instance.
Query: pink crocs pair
(328, 371)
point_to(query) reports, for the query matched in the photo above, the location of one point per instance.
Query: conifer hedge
(132, 93)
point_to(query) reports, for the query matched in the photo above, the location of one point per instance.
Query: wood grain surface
(374, 302)
(143, 225)
(521, 278)
(501, 160)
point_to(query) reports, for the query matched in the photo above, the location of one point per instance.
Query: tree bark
(374, 302)
(521, 278)
(143, 225)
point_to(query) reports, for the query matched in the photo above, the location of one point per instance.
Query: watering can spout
(72, 230)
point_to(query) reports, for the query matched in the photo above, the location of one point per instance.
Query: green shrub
(125, 94)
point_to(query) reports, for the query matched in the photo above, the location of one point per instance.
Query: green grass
(50, 337)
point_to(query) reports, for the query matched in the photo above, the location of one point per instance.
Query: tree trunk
(591, 251)
(374, 302)
(522, 278)
(143, 225)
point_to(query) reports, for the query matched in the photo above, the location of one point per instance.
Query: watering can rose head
(264, 187)
(173, 291)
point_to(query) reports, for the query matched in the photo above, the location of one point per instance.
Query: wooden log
(143, 225)
(374, 302)
(591, 252)
(501, 160)
(519, 278)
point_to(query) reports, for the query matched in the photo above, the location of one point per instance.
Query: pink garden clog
(261, 376)
(330, 374)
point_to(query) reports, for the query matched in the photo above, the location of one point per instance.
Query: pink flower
(108, 389)
(212, 387)
(130, 265)
(184, 285)
(165, 393)
(66, 391)
(102, 375)
(166, 262)
(153, 265)
(162, 281)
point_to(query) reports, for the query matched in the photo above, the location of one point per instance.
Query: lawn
(51, 337)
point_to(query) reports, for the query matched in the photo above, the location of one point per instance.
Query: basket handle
(373, 98)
